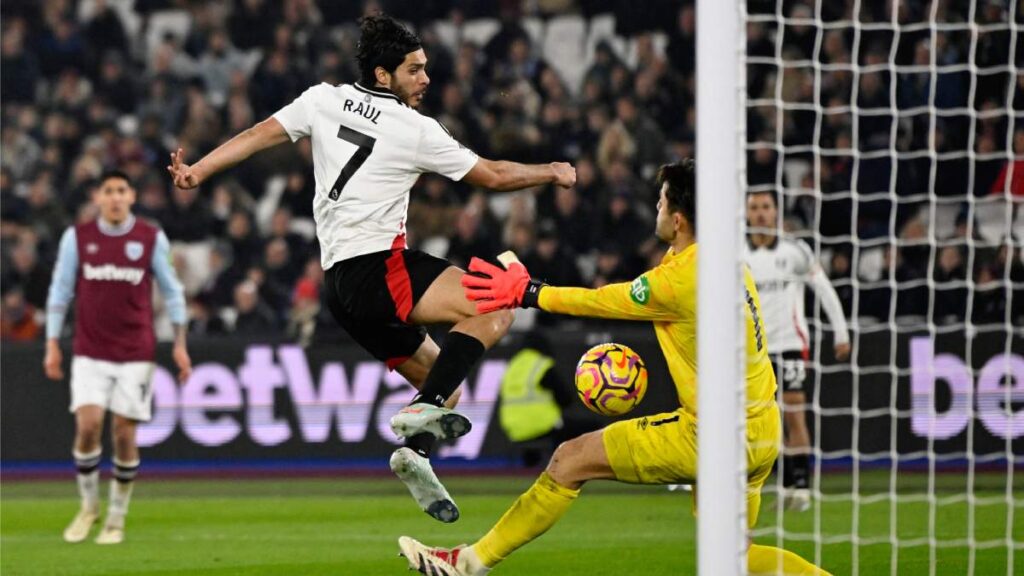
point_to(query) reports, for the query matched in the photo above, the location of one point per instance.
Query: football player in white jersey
(370, 145)
(781, 268)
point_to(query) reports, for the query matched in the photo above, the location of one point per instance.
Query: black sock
(422, 443)
(801, 470)
(787, 471)
(458, 356)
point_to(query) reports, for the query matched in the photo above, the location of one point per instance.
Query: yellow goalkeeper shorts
(662, 449)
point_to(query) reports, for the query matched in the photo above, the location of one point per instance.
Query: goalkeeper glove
(493, 288)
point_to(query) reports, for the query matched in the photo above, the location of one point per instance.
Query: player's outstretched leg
(87, 451)
(429, 416)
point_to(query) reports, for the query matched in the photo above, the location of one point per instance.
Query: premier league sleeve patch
(133, 250)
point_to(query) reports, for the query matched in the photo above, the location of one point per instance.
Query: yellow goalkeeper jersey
(667, 296)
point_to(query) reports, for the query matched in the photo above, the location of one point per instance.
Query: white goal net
(893, 134)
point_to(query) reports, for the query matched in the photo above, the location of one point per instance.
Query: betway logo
(219, 404)
(1000, 385)
(109, 272)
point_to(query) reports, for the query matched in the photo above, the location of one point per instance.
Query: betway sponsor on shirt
(111, 273)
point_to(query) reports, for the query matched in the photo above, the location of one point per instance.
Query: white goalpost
(893, 135)
(721, 395)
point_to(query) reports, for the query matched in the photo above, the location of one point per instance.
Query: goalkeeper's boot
(798, 499)
(113, 531)
(79, 528)
(458, 561)
(415, 471)
(443, 423)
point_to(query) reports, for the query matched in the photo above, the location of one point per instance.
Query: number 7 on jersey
(365, 147)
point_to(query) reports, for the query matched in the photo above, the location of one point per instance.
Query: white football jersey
(781, 270)
(368, 150)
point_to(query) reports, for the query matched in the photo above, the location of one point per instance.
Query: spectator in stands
(17, 318)
(115, 85)
(575, 220)
(218, 64)
(203, 321)
(279, 276)
(305, 304)
(551, 260)
(104, 32)
(255, 317)
(25, 274)
(474, 233)
(21, 67)
(611, 265)
(950, 286)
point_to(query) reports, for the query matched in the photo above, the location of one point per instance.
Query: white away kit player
(370, 145)
(782, 268)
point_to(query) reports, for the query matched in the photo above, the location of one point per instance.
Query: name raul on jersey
(109, 272)
(364, 109)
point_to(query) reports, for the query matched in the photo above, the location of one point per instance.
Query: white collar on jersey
(116, 229)
(379, 92)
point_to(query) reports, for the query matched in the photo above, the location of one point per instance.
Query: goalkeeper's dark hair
(682, 189)
(382, 42)
(112, 174)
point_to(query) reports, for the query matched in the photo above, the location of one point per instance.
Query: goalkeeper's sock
(457, 357)
(88, 464)
(530, 516)
(121, 489)
(770, 560)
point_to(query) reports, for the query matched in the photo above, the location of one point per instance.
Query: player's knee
(124, 436)
(562, 468)
(87, 433)
(795, 419)
(501, 321)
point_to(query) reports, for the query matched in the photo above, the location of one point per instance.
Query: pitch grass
(349, 527)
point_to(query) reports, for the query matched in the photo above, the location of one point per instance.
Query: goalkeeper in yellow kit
(658, 449)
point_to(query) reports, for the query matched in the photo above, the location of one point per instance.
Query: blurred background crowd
(903, 169)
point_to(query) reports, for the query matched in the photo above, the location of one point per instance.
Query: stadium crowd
(100, 84)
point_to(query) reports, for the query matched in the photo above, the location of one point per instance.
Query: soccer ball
(611, 379)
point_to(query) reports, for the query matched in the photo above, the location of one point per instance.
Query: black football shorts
(790, 370)
(372, 295)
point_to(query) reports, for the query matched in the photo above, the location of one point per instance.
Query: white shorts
(121, 387)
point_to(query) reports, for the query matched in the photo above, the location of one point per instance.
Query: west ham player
(782, 268)
(369, 147)
(108, 266)
(659, 449)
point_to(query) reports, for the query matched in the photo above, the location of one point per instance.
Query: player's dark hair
(682, 189)
(770, 193)
(110, 174)
(382, 42)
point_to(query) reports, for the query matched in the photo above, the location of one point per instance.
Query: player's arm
(833, 309)
(815, 276)
(174, 299)
(503, 175)
(264, 135)
(441, 153)
(62, 292)
(649, 297)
